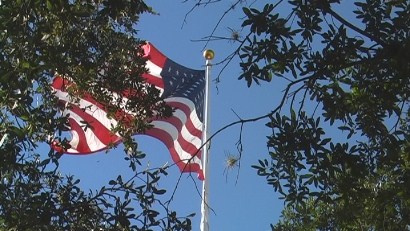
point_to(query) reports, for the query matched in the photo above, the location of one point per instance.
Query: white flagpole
(204, 226)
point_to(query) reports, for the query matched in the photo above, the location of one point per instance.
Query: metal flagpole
(204, 226)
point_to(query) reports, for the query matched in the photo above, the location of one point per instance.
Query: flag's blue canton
(180, 81)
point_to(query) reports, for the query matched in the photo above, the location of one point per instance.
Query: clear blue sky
(249, 204)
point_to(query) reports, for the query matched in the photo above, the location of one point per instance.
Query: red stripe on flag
(154, 55)
(101, 132)
(82, 141)
(153, 80)
(166, 138)
(188, 146)
(190, 126)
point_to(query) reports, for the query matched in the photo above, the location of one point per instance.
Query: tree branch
(353, 27)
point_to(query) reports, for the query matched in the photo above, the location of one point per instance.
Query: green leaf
(49, 5)
(25, 65)
(159, 191)
(293, 115)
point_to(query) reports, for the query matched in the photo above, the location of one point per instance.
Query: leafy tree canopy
(340, 158)
(87, 42)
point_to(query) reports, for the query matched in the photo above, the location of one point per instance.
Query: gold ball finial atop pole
(209, 54)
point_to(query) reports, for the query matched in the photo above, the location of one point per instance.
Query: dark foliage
(88, 41)
(340, 158)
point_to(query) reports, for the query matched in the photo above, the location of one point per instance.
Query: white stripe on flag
(173, 132)
(186, 134)
(90, 109)
(153, 69)
(91, 139)
(193, 116)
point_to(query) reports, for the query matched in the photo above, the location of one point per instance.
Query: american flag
(181, 88)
